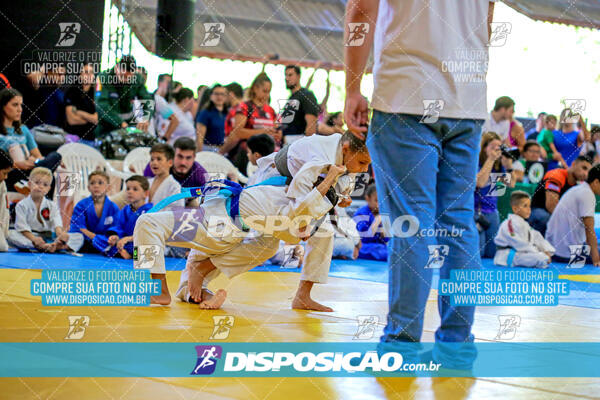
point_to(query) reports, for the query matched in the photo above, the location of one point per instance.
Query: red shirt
(258, 117)
(229, 119)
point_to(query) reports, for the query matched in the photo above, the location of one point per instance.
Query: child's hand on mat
(112, 240)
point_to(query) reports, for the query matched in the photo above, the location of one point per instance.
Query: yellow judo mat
(260, 304)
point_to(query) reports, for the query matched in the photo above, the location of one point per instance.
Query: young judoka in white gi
(38, 224)
(518, 244)
(163, 184)
(304, 161)
(215, 230)
(6, 165)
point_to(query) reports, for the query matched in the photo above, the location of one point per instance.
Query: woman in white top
(184, 102)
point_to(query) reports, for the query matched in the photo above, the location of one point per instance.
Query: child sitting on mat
(94, 215)
(120, 235)
(38, 225)
(518, 244)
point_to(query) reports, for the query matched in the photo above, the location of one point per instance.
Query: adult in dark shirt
(210, 120)
(52, 95)
(235, 95)
(555, 183)
(302, 103)
(80, 111)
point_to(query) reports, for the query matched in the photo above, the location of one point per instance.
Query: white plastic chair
(81, 159)
(218, 166)
(138, 158)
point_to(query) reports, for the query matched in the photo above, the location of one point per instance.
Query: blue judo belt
(227, 189)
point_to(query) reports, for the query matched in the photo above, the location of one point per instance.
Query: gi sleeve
(22, 217)
(542, 244)
(55, 216)
(119, 226)
(514, 235)
(78, 217)
(174, 188)
(4, 213)
(306, 199)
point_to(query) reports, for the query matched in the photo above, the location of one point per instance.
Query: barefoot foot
(206, 295)
(306, 303)
(195, 281)
(164, 299)
(214, 302)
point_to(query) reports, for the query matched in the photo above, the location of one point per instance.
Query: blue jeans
(427, 171)
(487, 247)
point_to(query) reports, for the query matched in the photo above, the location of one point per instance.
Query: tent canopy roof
(305, 32)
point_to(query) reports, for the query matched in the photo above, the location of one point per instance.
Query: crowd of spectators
(553, 156)
(548, 162)
(237, 123)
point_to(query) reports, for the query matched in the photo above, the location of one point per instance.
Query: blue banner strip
(293, 359)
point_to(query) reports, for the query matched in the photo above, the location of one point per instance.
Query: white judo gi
(43, 222)
(307, 159)
(346, 235)
(519, 245)
(211, 233)
(4, 217)
(167, 187)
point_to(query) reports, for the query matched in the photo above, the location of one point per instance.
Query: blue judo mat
(583, 294)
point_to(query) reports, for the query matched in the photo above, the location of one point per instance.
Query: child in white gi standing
(304, 161)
